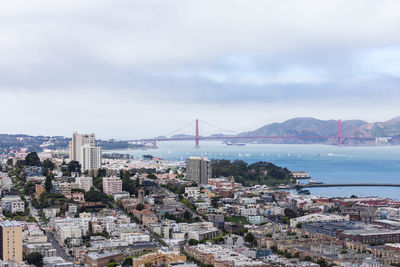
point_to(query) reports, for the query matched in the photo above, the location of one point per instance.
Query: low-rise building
(13, 204)
(112, 185)
(84, 183)
(94, 259)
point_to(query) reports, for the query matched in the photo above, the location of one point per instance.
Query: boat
(235, 144)
(314, 182)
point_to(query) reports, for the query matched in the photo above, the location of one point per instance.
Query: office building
(11, 241)
(78, 140)
(112, 185)
(198, 170)
(90, 157)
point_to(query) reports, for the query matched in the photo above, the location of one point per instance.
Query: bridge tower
(339, 133)
(197, 134)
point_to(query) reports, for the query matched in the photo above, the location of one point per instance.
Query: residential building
(192, 192)
(11, 241)
(78, 140)
(102, 259)
(39, 189)
(13, 204)
(84, 183)
(141, 196)
(160, 258)
(312, 218)
(198, 170)
(90, 157)
(112, 185)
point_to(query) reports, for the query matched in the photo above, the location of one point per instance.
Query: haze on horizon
(131, 69)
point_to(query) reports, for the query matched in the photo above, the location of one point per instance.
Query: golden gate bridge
(152, 142)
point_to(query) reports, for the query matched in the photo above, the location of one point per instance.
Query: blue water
(328, 164)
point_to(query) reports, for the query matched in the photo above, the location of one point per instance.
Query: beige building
(112, 185)
(94, 259)
(11, 241)
(159, 258)
(84, 183)
(78, 140)
(13, 203)
(39, 189)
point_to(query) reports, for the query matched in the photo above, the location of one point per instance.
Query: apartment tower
(198, 170)
(90, 157)
(11, 241)
(78, 140)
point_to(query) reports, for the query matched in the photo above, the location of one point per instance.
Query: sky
(133, 69)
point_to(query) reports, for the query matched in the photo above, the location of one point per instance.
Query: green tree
(35, 258)
(74, 166)
(307, 258)
(48, 185)
(193, 242)
(152, 176)
(29, 188)
(139, 206)
(102, 173)
(48, 164)
(112, 264)
(322, 262)
(32, 159)
(127, 262)
(214, 202)
(10, 162)
(187, 215)
(249, 238)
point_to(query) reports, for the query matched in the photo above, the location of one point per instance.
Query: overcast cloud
(129, 69)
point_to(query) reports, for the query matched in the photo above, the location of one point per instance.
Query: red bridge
(152, 142)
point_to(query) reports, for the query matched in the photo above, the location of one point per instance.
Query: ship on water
(235, 144)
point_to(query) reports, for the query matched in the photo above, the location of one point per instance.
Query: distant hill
(308, 126)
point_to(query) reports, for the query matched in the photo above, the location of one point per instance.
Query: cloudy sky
(129, 69)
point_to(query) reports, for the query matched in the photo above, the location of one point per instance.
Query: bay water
(324, 163)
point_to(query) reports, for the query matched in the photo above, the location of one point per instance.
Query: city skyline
(134, 69)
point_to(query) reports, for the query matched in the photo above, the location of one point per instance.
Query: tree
(112, 264)
(214, 202)
(102, 173)
(32, 159)
(35, 258)
(96, 196)
(152, 176)
(193, 242)
(127, 262)
(48, 185)
(10, 162)
(29, 188)
(74, 166)
(187, 215)
(139, 206)
(48, 164)
(289, 213)
(322, 262)
(249, 238)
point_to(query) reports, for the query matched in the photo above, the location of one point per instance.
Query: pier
(343, 185)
